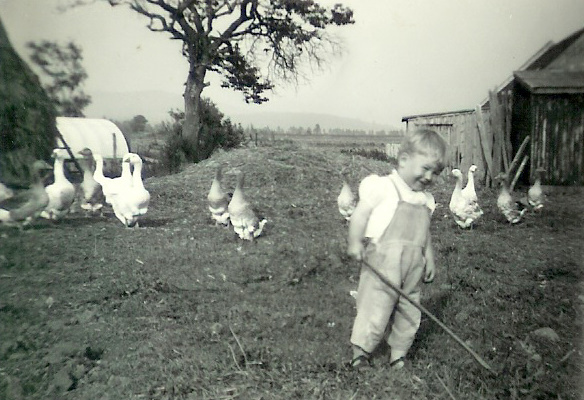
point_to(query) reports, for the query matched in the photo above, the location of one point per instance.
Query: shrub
(216, 132)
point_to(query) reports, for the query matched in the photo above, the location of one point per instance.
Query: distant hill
(286, 120)
(154, 105)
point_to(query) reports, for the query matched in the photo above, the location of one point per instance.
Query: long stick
(518, 173)
(518, 155)
(423, 309)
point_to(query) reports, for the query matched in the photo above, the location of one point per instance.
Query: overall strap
(396, 189)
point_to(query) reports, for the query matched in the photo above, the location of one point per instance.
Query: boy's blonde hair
(426, 142)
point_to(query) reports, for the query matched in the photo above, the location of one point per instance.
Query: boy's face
(418, 170)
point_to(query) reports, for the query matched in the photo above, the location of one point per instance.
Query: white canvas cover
(100, 135)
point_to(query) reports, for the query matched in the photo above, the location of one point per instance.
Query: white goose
(245, 222)
(463, 205)
(111, 186)
(469, 191)
(218, 200)
(347, 200)
(535, 194)
(61, 192)
(131, 203)
(93, 197)
(511, 209)
(22, 208)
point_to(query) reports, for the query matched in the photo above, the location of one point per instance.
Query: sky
(401, 57)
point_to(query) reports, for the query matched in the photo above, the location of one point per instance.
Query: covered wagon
(100, 135)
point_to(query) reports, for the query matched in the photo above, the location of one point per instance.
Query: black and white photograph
(291, 199)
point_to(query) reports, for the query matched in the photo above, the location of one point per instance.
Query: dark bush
(216, 132)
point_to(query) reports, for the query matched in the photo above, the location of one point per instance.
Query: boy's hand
(429, 272)
(355, 250)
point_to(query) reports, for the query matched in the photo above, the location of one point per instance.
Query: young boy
(393, 214)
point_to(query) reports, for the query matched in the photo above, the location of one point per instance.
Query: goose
(218, 200)
(111, 186)
(535, 194)
(131, 202)
(469, 190)
(61, 192)
(346, 201)
(93, 197)
(463, 205)
(5, 192)
(126, 178)
(22, 208)
(245, 222)
(511, 209)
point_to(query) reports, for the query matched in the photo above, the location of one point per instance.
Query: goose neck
(137, 174)
(240, 181)
(126, 171)
(58, 169)
(98, 167)
(470, 178)
(458, 185)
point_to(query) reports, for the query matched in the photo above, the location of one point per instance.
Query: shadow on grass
(154, 222)
(428, 328)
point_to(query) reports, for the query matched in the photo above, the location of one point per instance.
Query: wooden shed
(459, 130)
(543, 99)
(549, 107)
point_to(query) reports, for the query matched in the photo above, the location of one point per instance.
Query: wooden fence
(479, 137)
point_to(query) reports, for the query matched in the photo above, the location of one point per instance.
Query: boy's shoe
(359, 362)
(398, 364)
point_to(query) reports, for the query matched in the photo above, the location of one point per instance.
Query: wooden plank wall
(461, 132)
(555, 124)
(557, 129)
(481, 137)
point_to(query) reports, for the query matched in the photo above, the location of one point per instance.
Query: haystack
(27, 117)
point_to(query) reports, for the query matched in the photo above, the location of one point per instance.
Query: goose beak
(45, 165)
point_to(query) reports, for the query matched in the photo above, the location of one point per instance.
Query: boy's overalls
(398, 255)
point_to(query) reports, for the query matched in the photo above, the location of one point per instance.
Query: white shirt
(380, 193)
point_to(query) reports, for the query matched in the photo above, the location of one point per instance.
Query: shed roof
(551, 82)
(100, 135)
(436, 114)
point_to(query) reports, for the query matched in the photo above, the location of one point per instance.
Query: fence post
(485, 143)
(115, 145)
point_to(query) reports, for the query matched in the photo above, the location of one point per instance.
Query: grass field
(181, 309)
(331, 140)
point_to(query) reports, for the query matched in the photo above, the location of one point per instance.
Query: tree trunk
(192, 97)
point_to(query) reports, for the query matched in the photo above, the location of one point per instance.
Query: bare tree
(250, 43)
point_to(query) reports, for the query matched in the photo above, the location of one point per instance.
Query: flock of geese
(129, 199)
(233, 209)
(126, 194)
(465, 208)
(464, 205)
